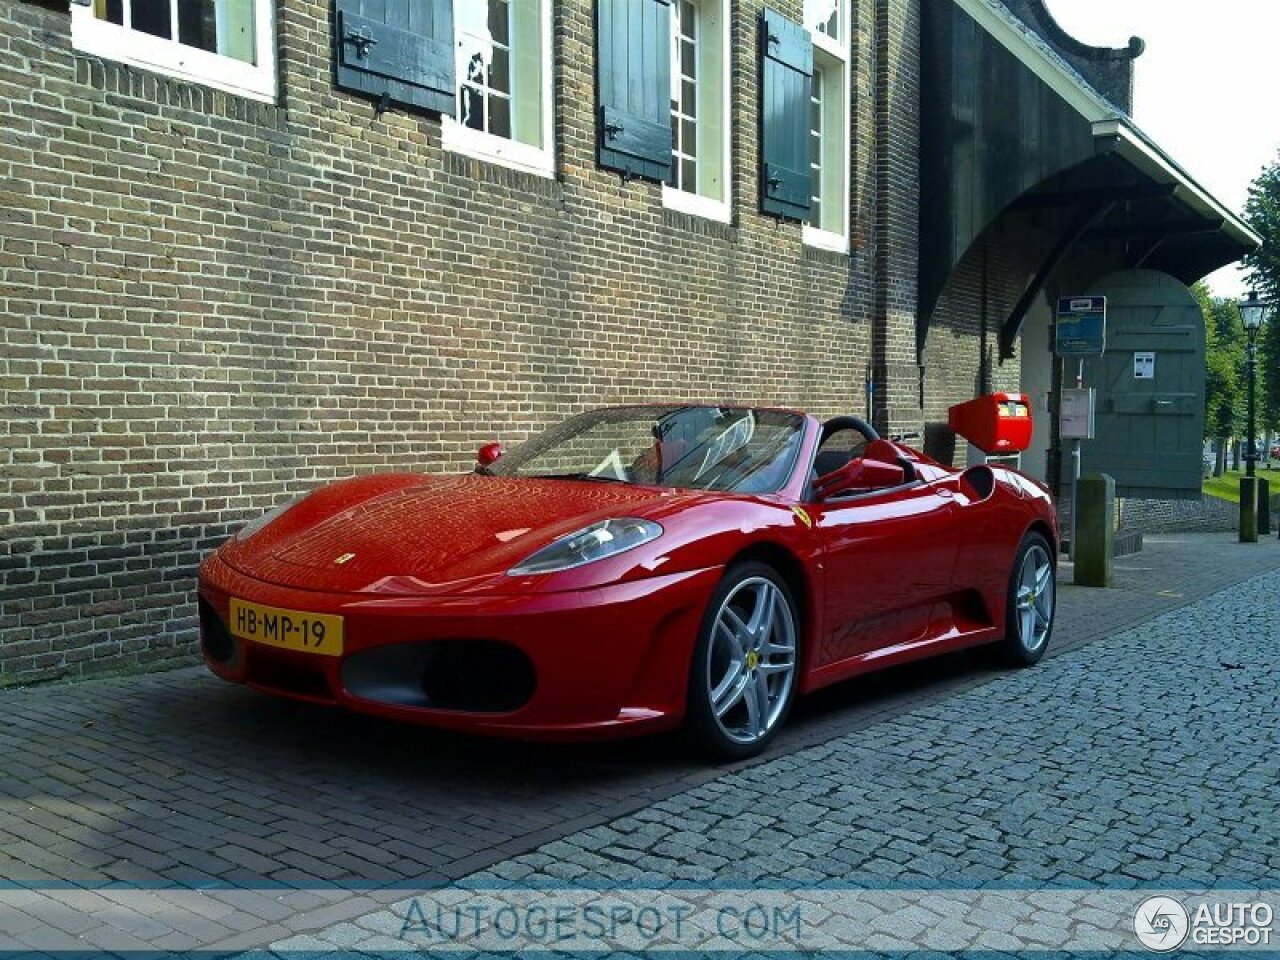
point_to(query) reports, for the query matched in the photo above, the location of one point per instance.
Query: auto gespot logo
(1163, 924)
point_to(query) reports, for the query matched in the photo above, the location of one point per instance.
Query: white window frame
(112, 41)
(697, 204)
(458, 138)
(837, 55)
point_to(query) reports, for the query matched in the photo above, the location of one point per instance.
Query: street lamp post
(1253, 312)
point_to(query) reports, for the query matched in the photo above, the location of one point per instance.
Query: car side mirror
(859, 474)
(488, 454)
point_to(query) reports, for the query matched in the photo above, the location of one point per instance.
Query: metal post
(1075, 470)
(1252, 456)
(1249, 482)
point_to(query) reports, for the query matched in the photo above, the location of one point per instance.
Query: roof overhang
(1011, 134)
(1118, 135)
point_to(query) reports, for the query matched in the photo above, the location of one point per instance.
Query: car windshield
(734, 449)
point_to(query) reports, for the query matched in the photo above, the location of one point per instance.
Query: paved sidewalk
(180, 779)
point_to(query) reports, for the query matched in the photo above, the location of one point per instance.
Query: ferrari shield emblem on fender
(803, 516)
(343, 558)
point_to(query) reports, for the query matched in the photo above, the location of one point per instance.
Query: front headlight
(600, 540)
(256, 524)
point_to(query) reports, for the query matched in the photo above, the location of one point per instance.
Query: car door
(889, 563)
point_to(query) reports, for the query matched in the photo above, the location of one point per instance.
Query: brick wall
(209, 304)
(897, 187)
(1182, 516)
(963, 344)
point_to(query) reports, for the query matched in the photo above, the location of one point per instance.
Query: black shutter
(786, 72)
(633, 64)
(398, 49)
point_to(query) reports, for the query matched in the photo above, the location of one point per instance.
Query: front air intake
(215, 639)
(474, 676)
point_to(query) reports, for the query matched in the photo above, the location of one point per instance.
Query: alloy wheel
(1035, 598)
(752, 660)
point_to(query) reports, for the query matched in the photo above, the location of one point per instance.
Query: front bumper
(606, 662)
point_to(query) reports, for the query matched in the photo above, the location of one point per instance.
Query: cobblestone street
(1150, 762)
(1144, 751)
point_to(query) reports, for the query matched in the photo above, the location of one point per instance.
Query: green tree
(1262, 210)
(1219, 374)
(1224, 374)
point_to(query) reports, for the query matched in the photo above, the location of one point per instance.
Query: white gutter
(1134, 146)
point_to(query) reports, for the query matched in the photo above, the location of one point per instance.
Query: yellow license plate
(291, 629)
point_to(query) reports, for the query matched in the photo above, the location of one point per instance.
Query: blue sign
(1080, 327)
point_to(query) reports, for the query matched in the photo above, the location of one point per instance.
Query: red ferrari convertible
(630, 570)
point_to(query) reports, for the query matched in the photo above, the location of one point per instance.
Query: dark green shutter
(633, 63)
(786, 71)
(400, 50)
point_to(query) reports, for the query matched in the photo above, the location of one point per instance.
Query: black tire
(1016, 649)
(703, 728)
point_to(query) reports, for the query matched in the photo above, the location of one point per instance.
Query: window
(827, 225)
(700, 164)
(503, 113)
(815, 147)
(823, 17)
(684, 96)
(227, 44)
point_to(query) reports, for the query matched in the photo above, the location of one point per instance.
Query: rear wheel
(1031, 602)
(744, 672)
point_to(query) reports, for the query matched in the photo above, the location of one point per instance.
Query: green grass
(1227, 486)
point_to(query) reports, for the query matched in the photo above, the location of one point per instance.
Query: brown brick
(208, 303)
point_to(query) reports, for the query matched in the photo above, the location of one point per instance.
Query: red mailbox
(995, 423)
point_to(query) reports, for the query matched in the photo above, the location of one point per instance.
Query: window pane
(689, 103)
(815, 147)
(528, 62)
(688, 175)
(823, 16)
(500, 73)
(688, 138)
(500, 116)
(471, 107)
(196, 27)
(499, 21)
(688, 59)
(500, 63)
(236, 30)
(152, 16)
(474, 69)
(110, 10)
(475, 50)
(686, 18)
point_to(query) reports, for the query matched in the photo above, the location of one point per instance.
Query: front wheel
(1031, 602)
(743, 676)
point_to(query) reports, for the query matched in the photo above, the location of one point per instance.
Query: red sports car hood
(416, 534)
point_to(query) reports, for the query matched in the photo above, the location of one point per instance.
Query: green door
(1150, 388)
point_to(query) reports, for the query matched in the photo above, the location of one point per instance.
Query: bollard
(1264, 506)
(1095, 531)
(1248, 509)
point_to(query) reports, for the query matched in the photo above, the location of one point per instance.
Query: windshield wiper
(598, 478)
